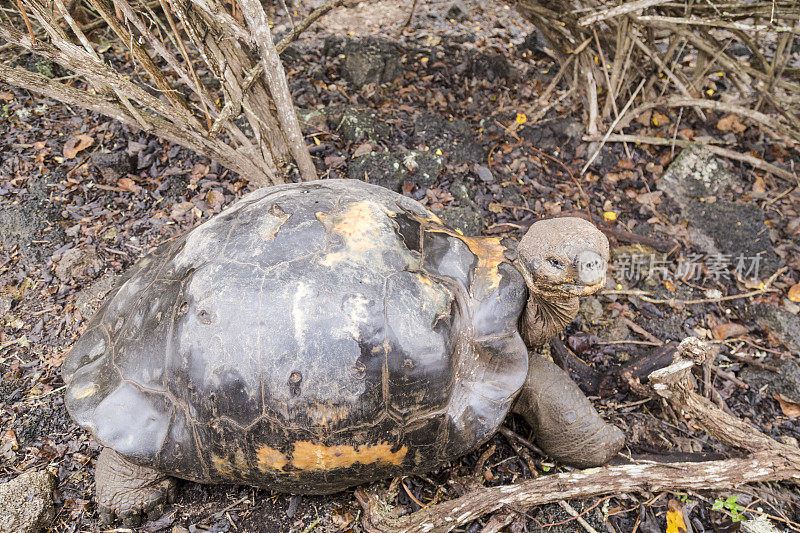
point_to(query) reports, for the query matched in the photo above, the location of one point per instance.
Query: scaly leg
(127, 491)
(565, 423)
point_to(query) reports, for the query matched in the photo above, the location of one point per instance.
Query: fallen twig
(718, 150)
(444, 517)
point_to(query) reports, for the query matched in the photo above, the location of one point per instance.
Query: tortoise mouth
(579, 289)
(568, 288)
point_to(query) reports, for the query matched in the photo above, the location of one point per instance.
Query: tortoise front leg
(127, 491)
(565, 424)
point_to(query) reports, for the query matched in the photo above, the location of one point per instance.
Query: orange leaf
(728, 330)
(128, 185)
(789, 407)
(75, 144)
(675, 523)
(731, 123)
(659, 119)
(794, 292)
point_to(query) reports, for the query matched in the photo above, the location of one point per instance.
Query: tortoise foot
(128, 492)
(566, 425)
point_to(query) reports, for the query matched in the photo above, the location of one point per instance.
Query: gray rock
(311, 118)
(535, 42)
(46, 68)
(75, 262)
(512, 196)
(783, 324)
(696, 174)
(550, 135)
(457, 11)
(466, 219)
(769, 383)
(591, 309)
(89, 299)
(484, 173)
(461, 192)
(26, 502)
(28, 224)
(737, 231)
(112, 165)
(356, 124)
(371, 60)
(391, 169)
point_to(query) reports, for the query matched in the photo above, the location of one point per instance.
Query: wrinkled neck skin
(547, 313)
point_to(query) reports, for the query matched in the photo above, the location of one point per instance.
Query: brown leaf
(659, 119)
(794, 292)
(789, 407)
(128, 185)
(9, 439)
(363, 150)
(215, 199)
(728, 330)
(75, 144)
(494, 207)
(6, 97)
(731, 123)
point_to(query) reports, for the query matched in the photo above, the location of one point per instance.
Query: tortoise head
(561, 259)
(565, 257)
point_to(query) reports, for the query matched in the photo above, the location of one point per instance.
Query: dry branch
(717, 150)
(193, 33)
(676, 41)
(769, 461)
(444, 517)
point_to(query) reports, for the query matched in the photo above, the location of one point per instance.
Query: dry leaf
(494, 207)
(675, 523)
(75, 144)
(789, 407)
(649, 198)
(794, 292)
(731, 123)
(659, 119)
(128, 185)
(6, 97)
(758, 185)
(728, 330)
(363, 150)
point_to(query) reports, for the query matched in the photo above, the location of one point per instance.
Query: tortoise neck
(546, 314)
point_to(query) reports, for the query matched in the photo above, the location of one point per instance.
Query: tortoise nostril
(591, 267)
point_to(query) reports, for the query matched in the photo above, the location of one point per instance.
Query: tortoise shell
(308, 338)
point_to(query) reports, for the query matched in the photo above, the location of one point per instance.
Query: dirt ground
(82, 198)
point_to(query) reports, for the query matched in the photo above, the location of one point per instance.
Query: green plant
(729, 504)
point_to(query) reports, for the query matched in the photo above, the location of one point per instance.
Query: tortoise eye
(555, 262)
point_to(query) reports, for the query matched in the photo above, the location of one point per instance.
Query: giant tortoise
(316, 336)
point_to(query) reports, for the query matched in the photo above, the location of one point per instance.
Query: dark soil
(461, 98)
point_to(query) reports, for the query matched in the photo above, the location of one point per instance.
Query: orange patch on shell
(222, 465)
(311, 456)
(270, 459)
(356, 225)
(490, 254)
